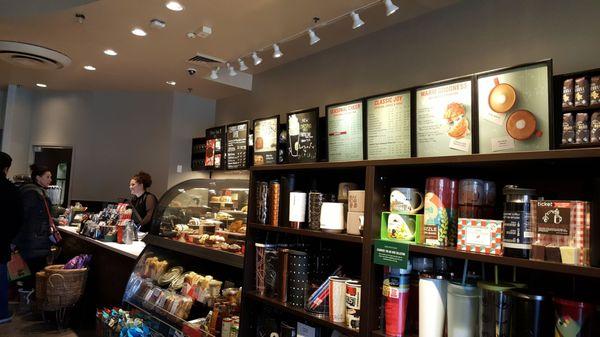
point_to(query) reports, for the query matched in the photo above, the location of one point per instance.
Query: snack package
(568, 129)
(567, 98)
(582, 92)
(582, 131)
(595, 128)
(595, 90)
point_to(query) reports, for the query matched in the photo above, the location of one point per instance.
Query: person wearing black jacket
(10, 208)
(143, 202)
(33, 240)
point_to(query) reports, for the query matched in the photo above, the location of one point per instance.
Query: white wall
(472, 36)
(16, 132)
(116, 134)
(190, 117)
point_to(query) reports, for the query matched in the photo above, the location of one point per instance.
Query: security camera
(191, 71)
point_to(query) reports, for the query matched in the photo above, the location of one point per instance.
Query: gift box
(402, 227)
(480, 236)
(561, 231)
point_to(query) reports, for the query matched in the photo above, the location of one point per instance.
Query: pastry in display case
(205, 212)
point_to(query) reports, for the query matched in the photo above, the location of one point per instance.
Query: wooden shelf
(323, 321)
(507, 261)
(579, 146)
(380, 333)
(581, 108)
(215, 255)
(560, 154)
(309, 233)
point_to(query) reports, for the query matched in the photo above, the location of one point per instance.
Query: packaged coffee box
(568, 129)
(582, 131)
(567, 98)
(595, 90)
(582, 92)
(595, 126)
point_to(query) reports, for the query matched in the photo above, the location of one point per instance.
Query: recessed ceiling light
(171, 82)
(90, 68)
(174, 6)
(138, 32)
(41, 85)
(110, 52)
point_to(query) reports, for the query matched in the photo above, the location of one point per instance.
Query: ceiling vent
(205, 60)
(32, 56)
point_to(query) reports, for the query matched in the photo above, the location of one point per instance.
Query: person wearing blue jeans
(11, 210)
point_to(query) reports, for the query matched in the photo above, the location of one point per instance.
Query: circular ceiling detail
(31, 56)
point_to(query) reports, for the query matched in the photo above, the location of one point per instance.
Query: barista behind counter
(143, 202)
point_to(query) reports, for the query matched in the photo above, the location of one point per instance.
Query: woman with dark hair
(143, 202)
(33, 239)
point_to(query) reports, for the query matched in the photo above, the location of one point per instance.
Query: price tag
(502, 144)
(463, 144)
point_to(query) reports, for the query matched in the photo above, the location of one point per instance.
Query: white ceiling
(145, 63)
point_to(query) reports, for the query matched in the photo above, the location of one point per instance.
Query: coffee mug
(406, 200)
(343, 189)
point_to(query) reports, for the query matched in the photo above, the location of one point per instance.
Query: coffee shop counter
(108, 273)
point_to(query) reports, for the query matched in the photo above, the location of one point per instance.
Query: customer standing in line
(143, 202)
(10, 208)
(33, 240)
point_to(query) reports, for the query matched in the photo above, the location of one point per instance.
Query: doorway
(58, 160)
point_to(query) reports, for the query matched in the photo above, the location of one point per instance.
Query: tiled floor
(32, 325)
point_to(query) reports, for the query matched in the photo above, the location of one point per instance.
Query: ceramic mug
(406, 200)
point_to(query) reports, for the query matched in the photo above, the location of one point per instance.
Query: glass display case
(208, 213)
(176, 295)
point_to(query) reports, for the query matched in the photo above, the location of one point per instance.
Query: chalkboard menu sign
(302, 136)
(215, 139)
(345, 131)
(237, 146)
(265, 140)
(388, 126)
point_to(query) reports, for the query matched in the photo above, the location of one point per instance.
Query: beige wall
(17, 120)
(472, 36)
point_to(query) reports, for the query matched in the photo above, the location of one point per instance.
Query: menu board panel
(388, 126)
(514, 110)
(303, 136)
(444, 119)
(265, 140)
(345, 132)
(237, 146)
(214, 147)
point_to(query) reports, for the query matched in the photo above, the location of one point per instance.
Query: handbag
(54, 236)
(17, 267)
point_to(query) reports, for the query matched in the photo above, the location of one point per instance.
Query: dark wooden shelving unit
(309, 233)
(215, 255)
(563, 173)
(301, 313)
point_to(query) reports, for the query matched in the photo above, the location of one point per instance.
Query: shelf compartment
(219, 256)
(554, 267)
(322, 321)
(309, 233)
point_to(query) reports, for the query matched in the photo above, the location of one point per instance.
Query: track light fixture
(213, 73)
(356, 21)
(390, 8)
(276, 51)
(243, 66)
(256, 58)
(313, 37)
(232, 71)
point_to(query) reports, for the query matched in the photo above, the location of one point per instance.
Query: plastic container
(494, 311)
(531, 313)
(463, 310)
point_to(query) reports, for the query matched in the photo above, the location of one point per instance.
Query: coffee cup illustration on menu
(294, 134)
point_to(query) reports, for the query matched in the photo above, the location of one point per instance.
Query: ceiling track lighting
(390, 8)
(110, 52)
(232, 71)
(174, 6)
(257, 60)
(243, 66)
(313, 37)
(356, 21)
(89, 68)
(157, 24)
(276, 51)
(214, 73)
(138, 32)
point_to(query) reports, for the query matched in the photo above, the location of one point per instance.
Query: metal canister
(262, 192)
(315, 201)
(297, 278)
(471, 197)
(226, 327)
(489, 200)
(274, 195)
(282, 279)
(494, 309)
(517, 231)
(337, 299)
(353, 293)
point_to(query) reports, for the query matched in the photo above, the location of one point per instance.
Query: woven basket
(41, 281)
(64, 287)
